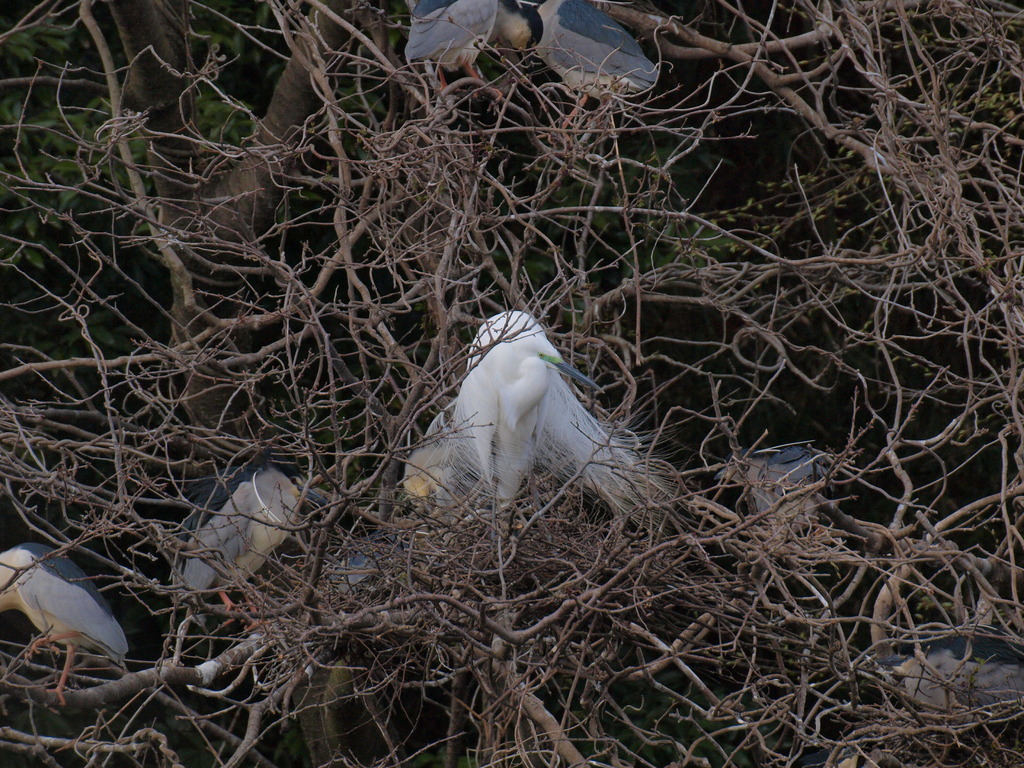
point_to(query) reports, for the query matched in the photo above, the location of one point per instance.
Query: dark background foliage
(231, 225)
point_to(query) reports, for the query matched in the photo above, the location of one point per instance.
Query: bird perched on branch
(772, 474)
(589, 50)
(451, 32)
(58, 598)
(978, 667)
(241, 516)
(514, 414)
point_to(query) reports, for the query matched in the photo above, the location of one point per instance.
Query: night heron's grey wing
(75, 604)
(220, 534)
(774, 473)
(442, 25)
(795, 465)
(997, 672)
(993, 681)
(66, 569)
(356, 567)
(589, 40)
(972, 669)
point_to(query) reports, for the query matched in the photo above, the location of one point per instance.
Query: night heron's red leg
(231, 605)
(496, 93)
(62, 683)
(47, 641)
(581, 104)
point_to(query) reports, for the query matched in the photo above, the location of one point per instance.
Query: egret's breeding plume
(973, 668)
(58, 598)
(241, 516)
(590, 51)
(514, 414)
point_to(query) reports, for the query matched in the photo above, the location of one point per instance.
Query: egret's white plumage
(514, 414)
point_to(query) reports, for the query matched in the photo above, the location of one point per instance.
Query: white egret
(515, 414)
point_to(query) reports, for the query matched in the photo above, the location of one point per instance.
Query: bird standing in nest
(515, 415)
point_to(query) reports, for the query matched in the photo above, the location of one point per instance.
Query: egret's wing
(442, 25)
(425, 467)
(588, 40)
(475, 418)
(75, 603)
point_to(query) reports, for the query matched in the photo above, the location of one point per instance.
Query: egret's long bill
(568, 370)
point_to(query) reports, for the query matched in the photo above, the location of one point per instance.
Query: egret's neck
(526, 391)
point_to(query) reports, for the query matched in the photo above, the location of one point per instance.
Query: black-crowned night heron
(772, 474)
(590, 51)
(979, 667)
(517, 24)
(451, 32)
(58, 598)
(241, 516)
